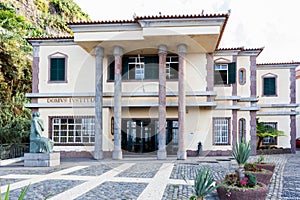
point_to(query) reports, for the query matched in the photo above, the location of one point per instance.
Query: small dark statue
(39, 144)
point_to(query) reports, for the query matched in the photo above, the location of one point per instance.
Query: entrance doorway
(140, 135)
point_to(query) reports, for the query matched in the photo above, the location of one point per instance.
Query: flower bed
(266, 166)
(259, 192)
(262, 176)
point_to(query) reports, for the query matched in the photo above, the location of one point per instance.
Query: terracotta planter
(248, 194)
(267, 166)
(262, 177)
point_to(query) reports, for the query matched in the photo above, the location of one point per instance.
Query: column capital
(162, 49)
(99, 51)
(181, 49)
(118, 51)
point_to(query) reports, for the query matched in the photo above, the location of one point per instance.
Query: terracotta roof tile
(49, 38)
(101, 22)
(280, 63)
(136, 18)
(181, 16)
(240, 49)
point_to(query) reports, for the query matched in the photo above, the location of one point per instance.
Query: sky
(272, 24)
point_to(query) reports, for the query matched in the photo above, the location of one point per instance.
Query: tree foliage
(266, 131)
(16, 60)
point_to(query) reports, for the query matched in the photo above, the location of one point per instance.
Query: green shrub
(251, 180)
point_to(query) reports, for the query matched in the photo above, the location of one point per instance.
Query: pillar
(253, 113)
(35, 74)
(293, 117)
(117, 153)
(162, 153)
(181, 154)
(234, 112)
(99, 54)
(210, 75)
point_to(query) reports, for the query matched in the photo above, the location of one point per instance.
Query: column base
(181, 155)
(161, 154)
(98, 155)
(117, 155)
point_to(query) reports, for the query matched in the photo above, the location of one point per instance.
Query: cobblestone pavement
(291, 178)
(143, 178)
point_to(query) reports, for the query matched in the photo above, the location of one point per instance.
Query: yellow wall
(282, 86)
(80, 70)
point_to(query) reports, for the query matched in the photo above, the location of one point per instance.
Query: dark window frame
(229, 73)
(242, 80)
(271, 140)
(58, 55)
(269, 76)
(51, 130)
(228, 119)
(126, 77)
(242, 129)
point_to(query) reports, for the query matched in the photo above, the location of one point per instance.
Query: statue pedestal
(41, 159)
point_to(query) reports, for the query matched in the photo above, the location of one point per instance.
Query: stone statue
(39, 144)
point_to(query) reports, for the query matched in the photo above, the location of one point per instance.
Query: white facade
(222, 95)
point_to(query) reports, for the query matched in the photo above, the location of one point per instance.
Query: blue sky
(252, 23)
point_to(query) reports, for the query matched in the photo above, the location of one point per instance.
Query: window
(221, 131)
(269, 84)
(73, 130)
(242, 130)
(225, 74)
(242, 76)
(57, 64)
(270, 140)
(172, 67)
(145, 67)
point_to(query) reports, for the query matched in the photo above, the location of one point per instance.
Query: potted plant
(241, 185)
(246, 188)
(262, 175)
(265, 165)
(204, 184)
(241, 152)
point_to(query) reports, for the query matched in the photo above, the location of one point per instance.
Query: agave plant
(22, 194)
(204, 183)
(241, 152)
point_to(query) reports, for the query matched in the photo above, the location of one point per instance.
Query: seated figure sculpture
(39, 144)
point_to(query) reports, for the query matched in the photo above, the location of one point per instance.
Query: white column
(181, 154)
(117, 153)
(162, 153)
(99, 54)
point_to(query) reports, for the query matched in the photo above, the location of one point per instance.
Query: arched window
(242, 76)
(269, 84)
(242, 129)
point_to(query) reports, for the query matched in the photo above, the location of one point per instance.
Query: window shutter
(231, 73)
(151, 67)
(57, 69)
(112, 70)
(269, 86)
(125, 61)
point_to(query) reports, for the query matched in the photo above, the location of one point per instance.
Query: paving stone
(141, 170)
(6, 181)
(44, 189)
(115, 190)
(95, 170)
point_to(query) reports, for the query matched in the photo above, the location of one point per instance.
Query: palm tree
(266, 131)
